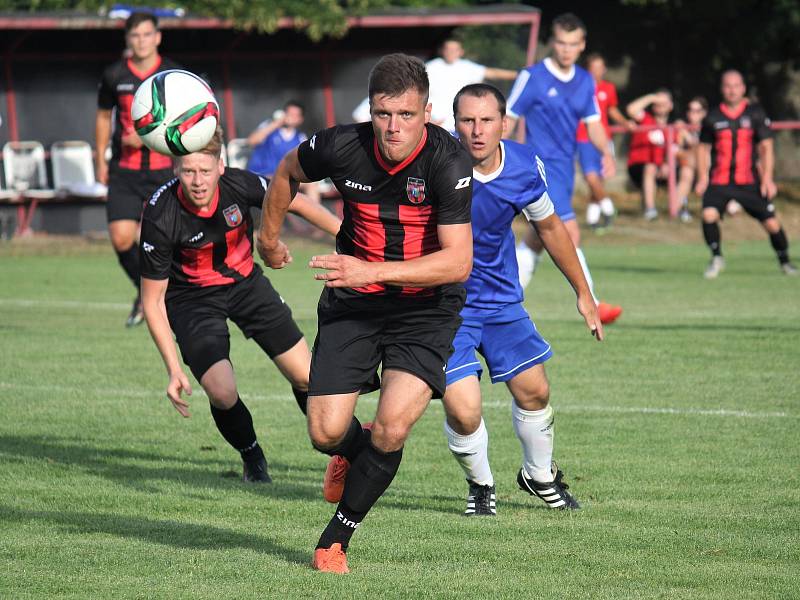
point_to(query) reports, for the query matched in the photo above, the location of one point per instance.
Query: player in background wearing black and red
(736, 143)
(135, 171)
(393, 292)
(198, 271)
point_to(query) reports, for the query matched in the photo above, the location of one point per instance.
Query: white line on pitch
(373, 398)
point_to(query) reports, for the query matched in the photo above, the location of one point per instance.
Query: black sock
(129, 260)
(781, 245)
(236, 426)
(352, 444)
(711, 233)
(302, 399)
(370, 474)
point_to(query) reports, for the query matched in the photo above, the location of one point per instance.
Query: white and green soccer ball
(175, 112)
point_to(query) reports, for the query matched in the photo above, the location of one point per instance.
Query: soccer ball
(175, 112)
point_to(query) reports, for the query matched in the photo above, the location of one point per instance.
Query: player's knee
(389, 437)
(464, 423)
(121, 240)
(772, 225)
(324, 435)
(222, 395)
(534, 397)
(710, 215)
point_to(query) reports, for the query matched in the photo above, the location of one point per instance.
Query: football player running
(508, 179)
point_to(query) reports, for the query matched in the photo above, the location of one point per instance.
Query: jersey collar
(392, 170)
(144, 74)
(189, 205)
(494, 174)
(733, 113)
(557, 73)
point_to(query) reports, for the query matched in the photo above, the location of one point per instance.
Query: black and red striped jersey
(117, 87)
(734, 135)
(391, 213)
(200, 249)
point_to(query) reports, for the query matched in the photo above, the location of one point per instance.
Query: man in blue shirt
(554, 96)
(508, 178)
(271, 141)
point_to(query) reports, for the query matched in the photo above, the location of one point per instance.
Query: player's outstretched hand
(342, 270)
(179, 382)
(588, 310)
(277, 257)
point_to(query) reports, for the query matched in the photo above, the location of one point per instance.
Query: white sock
(592, 213)
(527, 260)
(472, 453)
(585, 267)
(607, 207)
(535, 432)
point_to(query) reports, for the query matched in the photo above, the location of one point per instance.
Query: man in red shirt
(736, 143)
(588, 156)
(135, 171)
(647, 154)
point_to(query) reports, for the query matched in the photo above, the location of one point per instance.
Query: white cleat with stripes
(553, 493)
(481, 501)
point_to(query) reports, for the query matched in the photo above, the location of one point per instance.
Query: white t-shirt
(445, 81)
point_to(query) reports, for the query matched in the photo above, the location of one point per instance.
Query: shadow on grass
(177, 534)
(143, 470)
(732, 327)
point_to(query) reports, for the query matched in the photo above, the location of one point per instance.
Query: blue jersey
(497, 199)
(553, 104)
(266, 156)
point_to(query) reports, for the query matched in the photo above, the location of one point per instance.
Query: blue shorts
(560, 175)
(590, 159)
(506, 338)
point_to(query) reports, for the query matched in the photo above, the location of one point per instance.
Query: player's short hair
(732, 72)
(593, 56)
(568, 22)
(701, 100)
(479, 90)
(137, 18)
(395, 74)
(295, 103)
(451, 38)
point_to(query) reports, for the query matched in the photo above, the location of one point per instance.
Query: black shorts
(357, 334)
(128, 190)
(749, 196)
(199, 321)
(636, 174)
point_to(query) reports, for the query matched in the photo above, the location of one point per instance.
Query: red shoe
(330, 560)
(335, 475)
(608, 313)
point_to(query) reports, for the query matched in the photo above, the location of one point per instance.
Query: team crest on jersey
(744, 122)
(233, 216)
(415, 190)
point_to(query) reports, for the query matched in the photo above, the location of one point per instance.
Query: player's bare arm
(262, 133)
(102, 133)
(500, 74)
(155, 313)
(615, 114)
(636, 108)
(766, 167)
(597, 135)
(316, 214)
(451, 264)
(559, 246)
(703, 164)
(282, 189)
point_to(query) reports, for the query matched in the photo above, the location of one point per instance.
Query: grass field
(679, 434)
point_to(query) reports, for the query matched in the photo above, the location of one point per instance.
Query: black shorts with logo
(356, 334)
(198, 318)
(128, 190)
(749, 196)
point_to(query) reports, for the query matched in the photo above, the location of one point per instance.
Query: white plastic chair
(238, 153)
(23, 164)
(73, 170)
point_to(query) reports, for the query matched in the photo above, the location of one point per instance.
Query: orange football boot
(336, 474)
(330, 560)
(608, 313)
